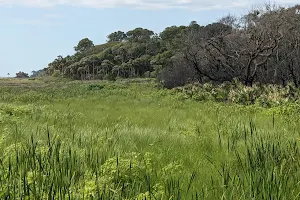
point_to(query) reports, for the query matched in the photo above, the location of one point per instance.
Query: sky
(34, 32)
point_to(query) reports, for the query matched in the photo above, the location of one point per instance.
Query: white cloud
(44, 21)
(146, 4)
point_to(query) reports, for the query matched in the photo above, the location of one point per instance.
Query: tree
(141, 65)
(177, 73)
(118, 36)
(229, 20)
(139, 35)
(21, 75)
(38, 73)
(171, 33)
(194, 26)
(59, 64)
(84, 45)
(171, 37)
(262, 46)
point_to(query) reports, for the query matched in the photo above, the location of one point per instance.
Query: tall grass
(130, 140)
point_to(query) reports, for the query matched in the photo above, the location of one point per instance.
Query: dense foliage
(21, 75)
(261, 46)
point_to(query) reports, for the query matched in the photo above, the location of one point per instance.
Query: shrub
(110, 77)
(95, 87)
(176, 76)
(56, 73)
(235, 92)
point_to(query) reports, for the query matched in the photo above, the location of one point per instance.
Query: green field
(132, 140)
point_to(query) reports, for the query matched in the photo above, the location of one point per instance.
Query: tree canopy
(117, 36)
(22, 75)
(84, 45)
(260, 47)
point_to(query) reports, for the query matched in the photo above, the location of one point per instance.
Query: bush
(56, 73)
(176, 76)
(147, 74)
(110, 77)
(95, 87)
(235, 92)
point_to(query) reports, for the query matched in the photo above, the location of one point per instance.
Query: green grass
(131, 140)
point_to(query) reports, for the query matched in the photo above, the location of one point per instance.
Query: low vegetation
(132, 140)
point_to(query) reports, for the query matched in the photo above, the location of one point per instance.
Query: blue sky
(34, 32)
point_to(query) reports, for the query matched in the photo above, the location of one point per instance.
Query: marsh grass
(131, 140)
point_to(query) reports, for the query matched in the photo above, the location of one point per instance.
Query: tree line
(259, 47)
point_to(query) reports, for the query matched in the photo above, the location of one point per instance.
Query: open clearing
(131, 140)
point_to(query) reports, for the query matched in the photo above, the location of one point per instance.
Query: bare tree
(221, 52)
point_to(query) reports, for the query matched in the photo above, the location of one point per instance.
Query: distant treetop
(22, 75)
